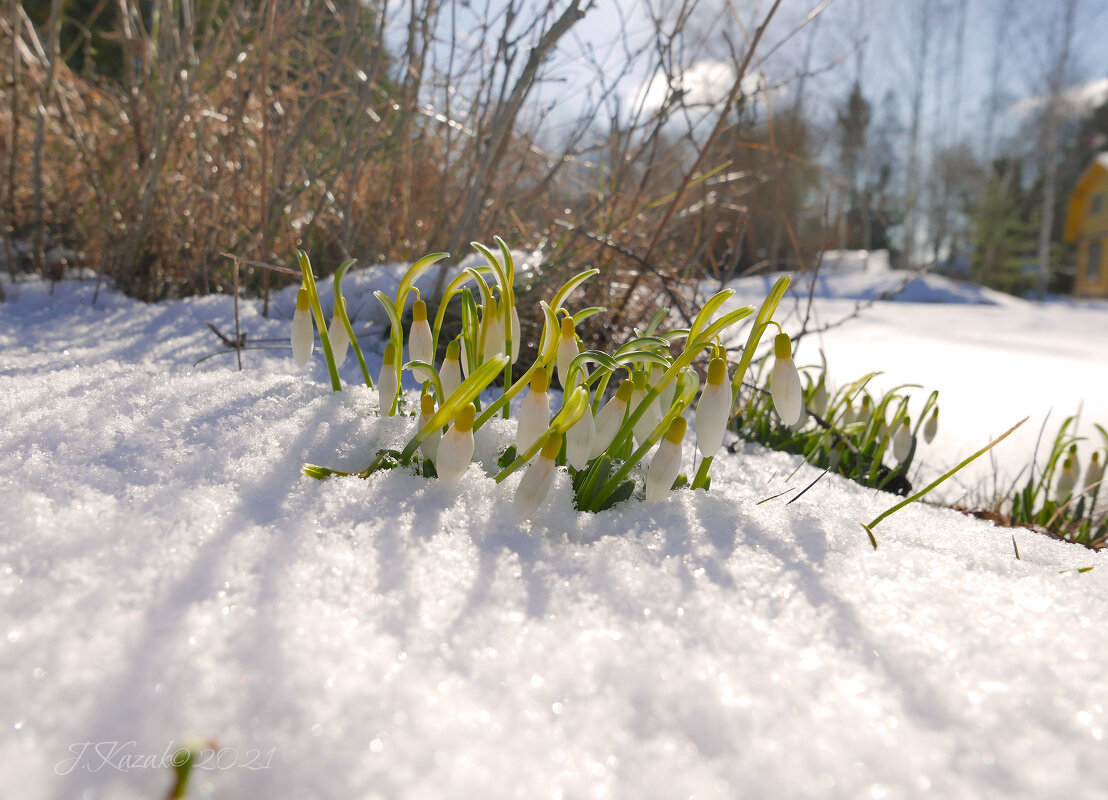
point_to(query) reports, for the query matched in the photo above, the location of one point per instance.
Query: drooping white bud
(420, 345)
(667, 392)
(902, 440)
(534, 412)
(455, 451)
(1093, 475)
(579, 440)
(303, 331)
(1066, 481)
(537, 480)
(339, 338)
(431, 443)
(567, 351)
(666, 464)
(820, 398)
(387, 386)
(713, 409)
(492, 333)
(931, 427)
(784, 382)
(610, 418)
(451, 372)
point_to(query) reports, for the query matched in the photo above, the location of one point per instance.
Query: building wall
(1092, 278)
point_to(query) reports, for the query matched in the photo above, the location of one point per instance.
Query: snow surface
(165, 568)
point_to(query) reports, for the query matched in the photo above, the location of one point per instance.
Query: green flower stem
(320, 322)
(452, 289)
(769, 305)
(701, 479)
(340, 309)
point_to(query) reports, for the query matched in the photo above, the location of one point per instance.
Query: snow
(165, 569)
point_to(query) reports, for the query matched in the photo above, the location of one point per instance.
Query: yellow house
(1087, 225)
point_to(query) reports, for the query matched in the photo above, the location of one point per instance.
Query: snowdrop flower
(667, 392)
(666, 464)
(567, 351)
(931, 427)
(836, 456)
(902, 440)
(651, 416)
(431, 443)
(514, 320)
(1066, 481)
(713, 409)
(579, 440)
(492, 342)
(1073, 458)
(303, 333)
(340, 339)
(537, 480)
(784, 382)
(534, 413)
(819, 398)
(451, 372)
(610, 417)
(387, 387)
(1093, 475)
(420, 347)
(455, 449)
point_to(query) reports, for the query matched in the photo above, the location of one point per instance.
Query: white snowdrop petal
(420, 348)
(534, 487)
(303, 337)
(711, 418)
(455, 452)
(663, 471)
(340, 339)
(579, 440)
(787, 393)
(608, 421)
(534, 418)
(450, 375)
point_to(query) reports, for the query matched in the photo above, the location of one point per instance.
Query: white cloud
(705, 83)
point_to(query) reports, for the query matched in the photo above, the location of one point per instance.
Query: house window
(1096, 205)
(1092, 262)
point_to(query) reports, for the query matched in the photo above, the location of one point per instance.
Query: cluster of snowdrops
(616, 407)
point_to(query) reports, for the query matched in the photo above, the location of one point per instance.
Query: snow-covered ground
(165, 568)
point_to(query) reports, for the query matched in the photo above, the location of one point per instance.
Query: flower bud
(665, 393)
(1066, 481)
(610, 417)
(431, 443)
(492, 332)
(902, 440)
(537, 480)
(451, 373)
(387, 387)
(931, 427)
(820, 398)
(567, 351)
(420, 346)
(303, 332)
(455, 449)
(534, 413)
(784, 382)
(666, 464)
(1074, 458)
(1093, 475)
(713, 409)
(340, 339)
(579, 439)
